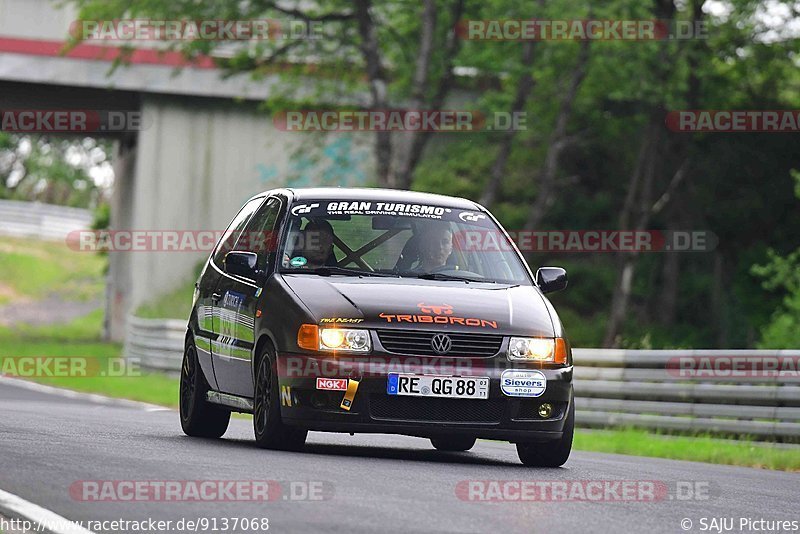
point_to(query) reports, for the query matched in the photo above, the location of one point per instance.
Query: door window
(260, 235)
(231, 235)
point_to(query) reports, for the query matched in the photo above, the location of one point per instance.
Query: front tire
(453, 443)
(553, 453)
(270, 432)
(199, 418)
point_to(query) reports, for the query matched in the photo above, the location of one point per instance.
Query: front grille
(393, 407)
(419, 343)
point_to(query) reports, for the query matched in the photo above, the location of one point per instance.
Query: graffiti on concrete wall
(337, 162)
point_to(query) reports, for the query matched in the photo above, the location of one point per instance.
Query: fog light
(545, 410)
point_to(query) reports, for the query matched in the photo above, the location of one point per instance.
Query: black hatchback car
(368, 310)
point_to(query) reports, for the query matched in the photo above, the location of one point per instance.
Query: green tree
(596, 153)
(783, 274)
(52, 170)
(394, 53)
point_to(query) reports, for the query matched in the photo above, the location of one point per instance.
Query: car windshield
(372, 238)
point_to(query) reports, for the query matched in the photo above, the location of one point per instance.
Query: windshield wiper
(442, 276)
(328, 270)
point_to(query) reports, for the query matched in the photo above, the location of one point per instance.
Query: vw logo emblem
(441, 344)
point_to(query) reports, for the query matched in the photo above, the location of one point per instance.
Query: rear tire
(453, 443)
(552, 453)
(270, 432)
(199, 418)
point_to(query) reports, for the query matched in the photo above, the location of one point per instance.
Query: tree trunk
(545, 196)
(642, 180)
(637, 208)
(718, 316)
(417, 141)
(377, 86)
(402, 178)
(668, 299)
(524, 86)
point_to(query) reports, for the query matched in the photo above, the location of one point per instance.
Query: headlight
(344, 339)
(537, 349)
(313, 337)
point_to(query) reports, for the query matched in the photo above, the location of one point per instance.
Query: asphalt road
(372, 483)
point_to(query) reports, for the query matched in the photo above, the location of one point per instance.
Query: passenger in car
(312, 247)
(435, 247)
(318, 244)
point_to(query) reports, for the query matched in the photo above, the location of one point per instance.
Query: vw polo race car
(367, 310)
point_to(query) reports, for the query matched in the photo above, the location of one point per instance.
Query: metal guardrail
(42, 221)
(643, 388)
(614, 388)
(156, 344)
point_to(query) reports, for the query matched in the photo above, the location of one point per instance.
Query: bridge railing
(613, 388)
(41, 221)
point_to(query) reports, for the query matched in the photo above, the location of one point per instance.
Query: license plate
(456, 387)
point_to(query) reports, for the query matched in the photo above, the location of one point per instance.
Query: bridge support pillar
(118, 288)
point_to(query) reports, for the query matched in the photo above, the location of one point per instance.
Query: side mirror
(241, 264)
(550, 279)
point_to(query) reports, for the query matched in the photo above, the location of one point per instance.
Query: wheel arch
(265, 339)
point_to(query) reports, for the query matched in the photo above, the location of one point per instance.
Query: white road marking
(49, 521)
(91, 397)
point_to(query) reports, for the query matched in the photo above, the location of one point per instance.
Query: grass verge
(702, 448)
(174, 305)
(35, 269)
(81, 339)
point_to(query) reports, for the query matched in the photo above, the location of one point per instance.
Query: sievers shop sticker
(523, 383)
(334, 384)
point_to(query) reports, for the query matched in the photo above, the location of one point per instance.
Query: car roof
(376, 194)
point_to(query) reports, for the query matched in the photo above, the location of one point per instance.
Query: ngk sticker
(336, 384)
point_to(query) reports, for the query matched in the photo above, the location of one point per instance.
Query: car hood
(424, 304)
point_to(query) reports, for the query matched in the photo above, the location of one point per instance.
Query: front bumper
(373, 410)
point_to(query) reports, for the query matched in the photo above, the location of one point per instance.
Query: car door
(207, 312)
(207, 334)
(235, 307)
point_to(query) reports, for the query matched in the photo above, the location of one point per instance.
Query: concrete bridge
(204, 148)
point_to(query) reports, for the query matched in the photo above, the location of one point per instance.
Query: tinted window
(408, 240)
(231, 235)
(259, 235)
